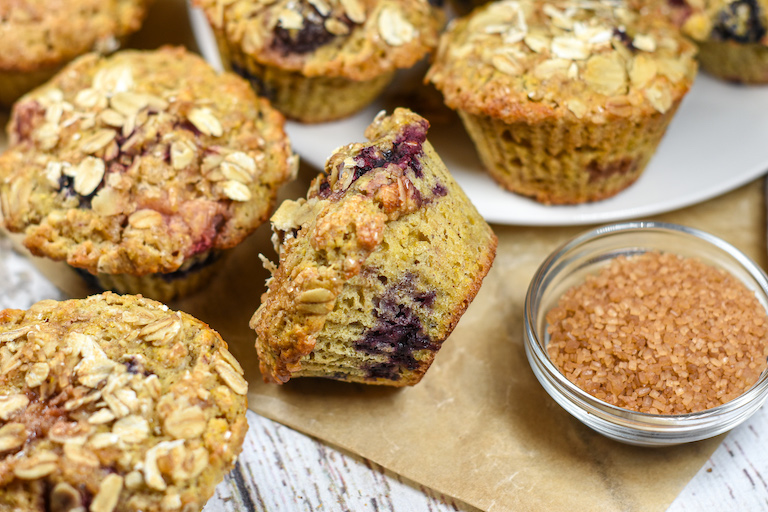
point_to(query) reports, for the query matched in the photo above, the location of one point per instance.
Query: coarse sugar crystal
(661, 334)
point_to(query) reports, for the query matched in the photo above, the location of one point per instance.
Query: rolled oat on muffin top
(357, 39)
(137, 163)
(351, 48)
(115, 404)
(592, 59)
(566, 101)
(39, 36)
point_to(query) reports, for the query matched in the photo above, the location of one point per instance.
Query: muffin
(319, 60)
(40, 36)
(115, 403)
(141, 168)
(566, 102)
(732, 36)
(375, 267)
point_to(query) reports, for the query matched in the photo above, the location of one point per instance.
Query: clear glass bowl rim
(616, 422)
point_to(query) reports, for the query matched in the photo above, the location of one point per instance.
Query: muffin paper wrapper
(478, 427)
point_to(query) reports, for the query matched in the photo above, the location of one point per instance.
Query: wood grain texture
(281, 470)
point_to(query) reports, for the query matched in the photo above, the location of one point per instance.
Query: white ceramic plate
(717, 141)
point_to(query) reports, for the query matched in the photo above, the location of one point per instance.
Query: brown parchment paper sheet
(479, 426)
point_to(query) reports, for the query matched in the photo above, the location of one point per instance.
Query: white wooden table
(281, 470)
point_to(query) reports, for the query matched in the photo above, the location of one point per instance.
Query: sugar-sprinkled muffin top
(531, 60)
(42, 33)
(356, 39)
(115, 403)
(137, 162)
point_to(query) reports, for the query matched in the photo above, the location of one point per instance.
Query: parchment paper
(479, 426)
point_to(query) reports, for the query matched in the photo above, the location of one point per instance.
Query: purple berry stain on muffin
(311, 36)
(621, 34)
(398, 332)
(67, 187)
(740, 21)
(439, 190)
(397, 335)
(404, 153)
(29, 115)
(134, 365)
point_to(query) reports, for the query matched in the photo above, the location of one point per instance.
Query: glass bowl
(586, 254)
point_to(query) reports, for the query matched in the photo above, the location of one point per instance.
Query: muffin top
(526, 60)
(355, 39)
(115, 403)
(740, 21)
(134, 163)
(42, 33)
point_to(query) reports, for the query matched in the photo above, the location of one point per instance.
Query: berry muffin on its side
(115, 404)
(565, 101)
(40, 36)
(319, 60)
(376, 266)
(141, 168)
(732, 36)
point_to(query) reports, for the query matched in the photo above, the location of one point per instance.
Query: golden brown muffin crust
(526, 60)
(115, 403)
(135, 163)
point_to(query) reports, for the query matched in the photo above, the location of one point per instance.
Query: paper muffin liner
(14, 84)
(191, 276)
(745, 63)
(306, 99)
(566, 161)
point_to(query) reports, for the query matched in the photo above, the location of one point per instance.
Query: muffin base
(302, 98)
(566, 161)
(192, 276)
(743, 63)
